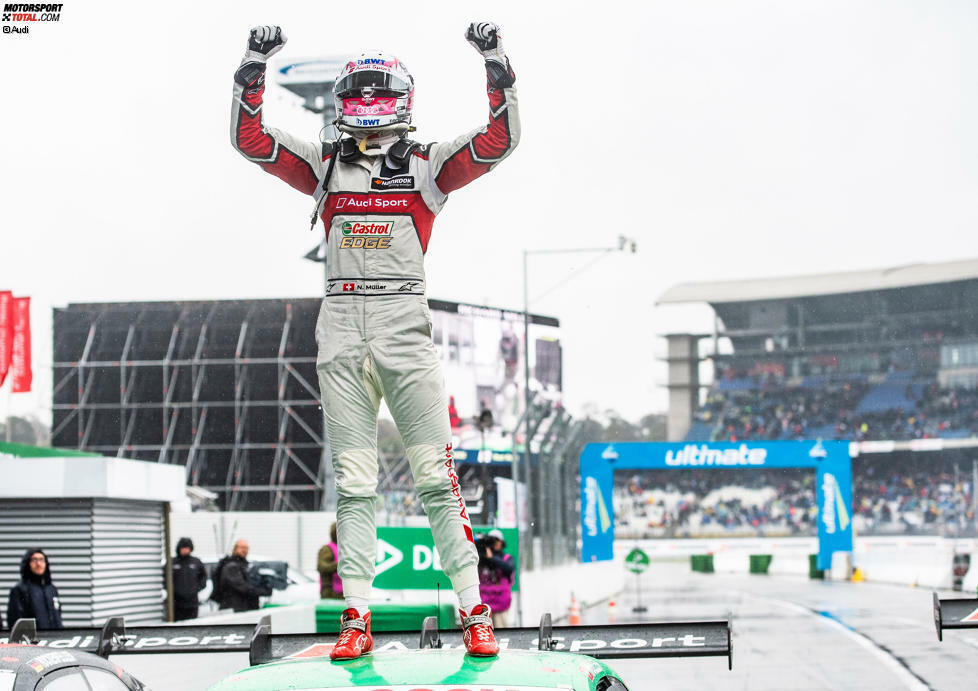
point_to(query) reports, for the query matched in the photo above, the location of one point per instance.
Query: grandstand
(887, 359)
(882, 354)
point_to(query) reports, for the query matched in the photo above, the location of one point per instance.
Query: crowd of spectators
(703, 503)
(778, 413)
(905, 497)
(832, 412)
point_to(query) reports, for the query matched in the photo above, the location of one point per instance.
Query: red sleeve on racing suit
(459, 162)
(297, 162)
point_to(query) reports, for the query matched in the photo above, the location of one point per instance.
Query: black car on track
(38, 668)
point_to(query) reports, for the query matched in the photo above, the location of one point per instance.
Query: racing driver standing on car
(378, 193)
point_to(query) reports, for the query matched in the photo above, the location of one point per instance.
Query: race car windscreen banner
(829, 459)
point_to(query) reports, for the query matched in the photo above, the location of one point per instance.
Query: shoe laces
(351, 628)
(479, 627)
(346, 637)
(482, 633)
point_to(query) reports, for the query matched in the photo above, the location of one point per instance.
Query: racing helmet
(374, 93)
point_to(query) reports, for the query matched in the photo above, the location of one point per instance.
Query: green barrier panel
(702, 563)
(760, 563)
(386, 616)
(407, 559)
(813, 571)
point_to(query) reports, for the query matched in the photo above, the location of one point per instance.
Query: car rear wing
(114, 638)
(671, 639)
(959, 613)
(666, 639)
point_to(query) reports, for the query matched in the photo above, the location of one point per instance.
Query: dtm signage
(830, 460)
(407, 558)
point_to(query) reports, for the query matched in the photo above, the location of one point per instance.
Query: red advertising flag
(20, 364)
(6, 332)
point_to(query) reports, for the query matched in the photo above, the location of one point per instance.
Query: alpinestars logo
(456, 489)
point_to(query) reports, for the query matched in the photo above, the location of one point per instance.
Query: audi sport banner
(20, 362)
(6, 332)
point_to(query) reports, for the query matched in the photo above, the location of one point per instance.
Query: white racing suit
(374, 328)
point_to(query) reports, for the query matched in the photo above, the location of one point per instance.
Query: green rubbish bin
(702, 563)
(813, 571)
(386, 616)
(760, 563)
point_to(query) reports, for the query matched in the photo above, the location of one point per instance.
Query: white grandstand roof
(821, 284)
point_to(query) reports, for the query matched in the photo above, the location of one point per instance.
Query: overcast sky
(731, 139)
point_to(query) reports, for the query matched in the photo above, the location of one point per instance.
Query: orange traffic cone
(612, 612)
(574, 619)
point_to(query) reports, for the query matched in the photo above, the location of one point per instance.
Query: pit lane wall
(911, 561)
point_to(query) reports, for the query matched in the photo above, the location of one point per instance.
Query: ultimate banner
(830, 459)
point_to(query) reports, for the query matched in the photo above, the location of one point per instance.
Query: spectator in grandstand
(189, 578)
(35, 597)
(495, 576)
(236, 591)
(330, 585)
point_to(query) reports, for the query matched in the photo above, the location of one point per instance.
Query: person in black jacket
(189, 578)
(237, 592)
(35, 597)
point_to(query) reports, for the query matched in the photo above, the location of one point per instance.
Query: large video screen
(482, 354)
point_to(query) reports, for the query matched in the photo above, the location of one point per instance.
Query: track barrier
(702, 563)
(760, 563)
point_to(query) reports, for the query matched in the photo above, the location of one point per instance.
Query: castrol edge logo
(366, 235)
(359, 228)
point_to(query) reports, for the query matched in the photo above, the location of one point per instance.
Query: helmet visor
(352, 83)
(376, 106)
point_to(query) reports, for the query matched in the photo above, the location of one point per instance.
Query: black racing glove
(263, 42)
(485, 38)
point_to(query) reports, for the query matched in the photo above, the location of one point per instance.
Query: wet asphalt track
(793, 633)
(789, 633)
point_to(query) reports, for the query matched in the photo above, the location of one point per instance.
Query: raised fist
(486, 38)
(265, 41)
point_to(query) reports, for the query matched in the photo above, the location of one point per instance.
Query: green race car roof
(424, 670)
